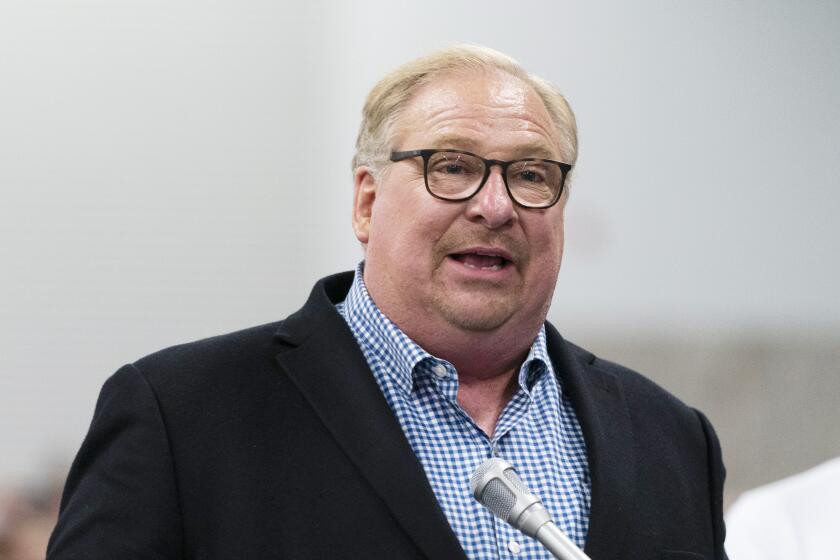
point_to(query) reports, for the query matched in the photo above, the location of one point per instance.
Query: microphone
(497, 487)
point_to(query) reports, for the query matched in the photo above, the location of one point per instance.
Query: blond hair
(386, 100)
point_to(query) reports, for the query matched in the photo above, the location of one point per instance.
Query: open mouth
(482, 260)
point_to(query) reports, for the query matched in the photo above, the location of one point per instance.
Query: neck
(476, 354)
(487, 366)
(485, 400)
(480, 356)
(487, 361)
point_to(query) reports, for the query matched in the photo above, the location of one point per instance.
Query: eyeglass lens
(455, 175)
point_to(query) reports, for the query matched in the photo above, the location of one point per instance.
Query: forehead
(488, 112)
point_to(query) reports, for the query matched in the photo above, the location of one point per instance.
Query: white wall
(172, 170)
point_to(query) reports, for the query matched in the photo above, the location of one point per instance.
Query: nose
(492, 206)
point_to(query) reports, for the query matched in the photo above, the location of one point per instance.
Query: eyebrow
(456, 142)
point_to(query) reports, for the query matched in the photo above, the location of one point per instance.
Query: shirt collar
(536, 364)
(382, 340)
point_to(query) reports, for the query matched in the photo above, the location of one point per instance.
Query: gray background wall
(173, 170)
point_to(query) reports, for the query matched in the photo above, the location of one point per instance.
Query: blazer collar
(325, 363)
(607, 428)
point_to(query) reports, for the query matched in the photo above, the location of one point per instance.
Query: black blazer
(276, 442)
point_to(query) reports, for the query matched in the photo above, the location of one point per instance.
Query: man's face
(476, 265)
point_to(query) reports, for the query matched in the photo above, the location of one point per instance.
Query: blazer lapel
(610, 445)
(326, 365)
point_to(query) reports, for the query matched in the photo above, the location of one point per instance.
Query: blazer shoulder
(223, 348)
(243, 360)
(213, 364)
(672, 439)
(635, 386)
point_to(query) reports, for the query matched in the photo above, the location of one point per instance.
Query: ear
(364, 193)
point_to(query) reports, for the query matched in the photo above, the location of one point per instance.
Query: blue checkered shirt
(537, 432)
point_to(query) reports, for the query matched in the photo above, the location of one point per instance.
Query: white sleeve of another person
(798, 517)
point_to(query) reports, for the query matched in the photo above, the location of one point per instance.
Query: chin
(477, 315)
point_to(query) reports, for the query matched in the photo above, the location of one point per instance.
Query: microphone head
(497, 487)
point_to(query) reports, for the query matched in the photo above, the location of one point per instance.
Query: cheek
(415, 214)
(546, 239)
(546, 254)
(388, 212)
(404, 224)
(397, 194)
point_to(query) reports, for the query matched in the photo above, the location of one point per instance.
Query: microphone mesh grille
(498, 499)
(515, 481)
(480, 471)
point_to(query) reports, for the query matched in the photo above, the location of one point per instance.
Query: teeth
(492, 267)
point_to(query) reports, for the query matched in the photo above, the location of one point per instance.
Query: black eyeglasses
(456, 175)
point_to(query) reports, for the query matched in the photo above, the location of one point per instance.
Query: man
(351, 428)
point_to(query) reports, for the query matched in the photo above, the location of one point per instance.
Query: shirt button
(514, 547)
(440, 370)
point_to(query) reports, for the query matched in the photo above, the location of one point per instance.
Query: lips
(484, 259)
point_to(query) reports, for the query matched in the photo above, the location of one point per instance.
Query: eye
(531, 176)
(453, 163)
(451, 168)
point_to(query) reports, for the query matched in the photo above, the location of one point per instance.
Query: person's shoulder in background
(796, 517)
